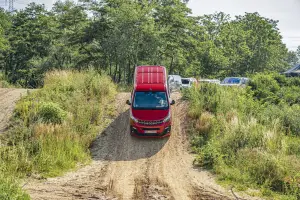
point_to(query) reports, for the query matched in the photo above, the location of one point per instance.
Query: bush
(53, 127)
(3, 81)
(292, 145)
(9, 190)
(276, 89)
(265, 87)
(263, 168)
(249, 135)
(291, 120)
(51, 113)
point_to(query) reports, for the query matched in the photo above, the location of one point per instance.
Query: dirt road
(124, 167)
(8, 98)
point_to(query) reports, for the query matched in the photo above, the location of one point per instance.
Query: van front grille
(150, 123)
(150, 129)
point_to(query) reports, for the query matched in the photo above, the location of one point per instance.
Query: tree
(114, 36)
(264, 41)
(298, 54)
(173, 20)
(4, 24)
(292, 58)
(30, 37)
(4, 43)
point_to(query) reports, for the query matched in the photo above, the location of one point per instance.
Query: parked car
(150, 103)
(174, 82)
(235, 81)
(215, 81)
(188, 82)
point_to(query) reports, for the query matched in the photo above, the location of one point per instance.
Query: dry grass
(244, 142)
(204, 123)
(54, 126)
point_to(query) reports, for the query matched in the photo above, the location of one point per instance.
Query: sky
(286, 11)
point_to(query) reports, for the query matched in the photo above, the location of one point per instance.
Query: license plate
(150, 131)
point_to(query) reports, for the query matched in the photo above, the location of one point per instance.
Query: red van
(150, 112)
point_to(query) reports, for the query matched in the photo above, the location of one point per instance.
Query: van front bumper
(160, 131)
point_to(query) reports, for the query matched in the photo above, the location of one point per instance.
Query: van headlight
(133, 118)
(167, 118)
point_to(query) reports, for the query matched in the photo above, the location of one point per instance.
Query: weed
(249, 136)
(53, 127)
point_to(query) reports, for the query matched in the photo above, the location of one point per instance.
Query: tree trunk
(171, 65)
(110, 67)
(115, 73)
(119, 74)
(129, 73)
(124, 70)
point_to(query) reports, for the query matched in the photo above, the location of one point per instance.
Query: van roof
(149, 78)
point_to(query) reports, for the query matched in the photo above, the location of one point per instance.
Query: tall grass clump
(249, 136)
(3, 81)
(53, 127)
(9, 189)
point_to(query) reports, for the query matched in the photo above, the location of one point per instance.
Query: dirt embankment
(124, 167)
(8, 98)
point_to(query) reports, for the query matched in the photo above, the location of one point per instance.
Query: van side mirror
(172, 102)
(128, 102)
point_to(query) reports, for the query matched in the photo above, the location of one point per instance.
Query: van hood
(150, 115)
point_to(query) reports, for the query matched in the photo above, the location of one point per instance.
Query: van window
(185, 81)
(150, 100)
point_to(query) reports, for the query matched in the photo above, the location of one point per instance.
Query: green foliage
(29, 37)
(51, 113)
(4, 24)
(265, 87)
(53, 127)
(249, 136)
(9, 190)
(293, 58)
(123, 34)
(3, 81)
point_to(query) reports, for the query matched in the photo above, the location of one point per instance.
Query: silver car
(174, 82)
(215, 81)
(188, 82)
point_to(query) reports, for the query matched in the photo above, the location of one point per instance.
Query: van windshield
(150, 101)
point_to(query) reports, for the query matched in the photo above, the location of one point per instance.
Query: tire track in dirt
(8, 99)
(125, 167)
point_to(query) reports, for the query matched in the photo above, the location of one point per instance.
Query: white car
(215, 81)
(174, 82)
(188, 82)
(235, 81)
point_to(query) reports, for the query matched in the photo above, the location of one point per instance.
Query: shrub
(292, 145)
(249, 135)
(263, 168)
(275, 89)
(49, 112)
(3, 81)
(10, 190)
(59, 149)
(291, 119)
(54, 126)
(204, 123)
(265, 87)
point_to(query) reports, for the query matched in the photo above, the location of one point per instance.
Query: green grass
(248, 140)
(124, 87)
(53, 127)
(4, 82)
(10, 190)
